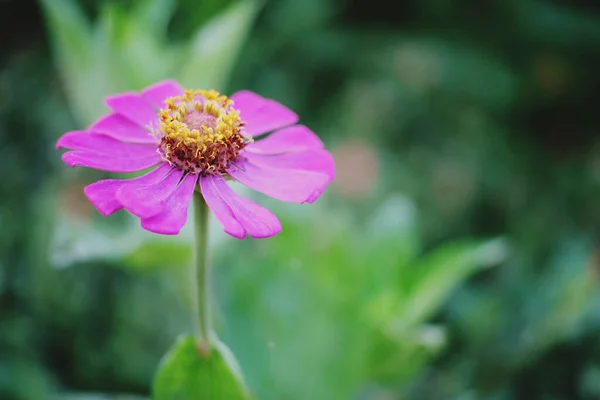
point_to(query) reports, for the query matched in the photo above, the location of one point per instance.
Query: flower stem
(202, 272)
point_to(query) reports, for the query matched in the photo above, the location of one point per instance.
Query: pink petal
(119, 127)
(256, 220)
(283, 184)
(157, 93)
(102, 194)
(173, 217)
(221, 210)
(97, 143)
(316, 160)
(147, 199)
(109, 163)
(235, 210)
(262, 115)
(292, 139)
(133, 107)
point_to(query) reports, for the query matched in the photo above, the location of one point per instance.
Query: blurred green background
(455, 256)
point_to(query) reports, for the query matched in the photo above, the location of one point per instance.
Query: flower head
(197, 140)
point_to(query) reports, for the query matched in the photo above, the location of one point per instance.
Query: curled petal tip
(235, 235)
(167, 232)
(68, 159)
(276, 230)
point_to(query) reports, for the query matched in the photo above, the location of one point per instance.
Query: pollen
(201, 132)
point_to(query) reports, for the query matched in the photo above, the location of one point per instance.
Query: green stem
(202, 273)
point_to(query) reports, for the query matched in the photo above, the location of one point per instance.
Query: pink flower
(199, 140)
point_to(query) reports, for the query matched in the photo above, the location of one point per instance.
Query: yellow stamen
(201, 132)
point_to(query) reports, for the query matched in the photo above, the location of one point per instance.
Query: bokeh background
(455, 256)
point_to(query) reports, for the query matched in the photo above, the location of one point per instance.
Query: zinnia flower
(198, 140)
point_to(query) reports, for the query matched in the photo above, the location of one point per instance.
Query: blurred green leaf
(154, 13)
(70, 29)
(74, 51)
(74, 241)
(144, 59)
(160, 253)
(439, 272)
(109, 33)
(187, 374)
(130, 55)
(121, 53)
(214, 48)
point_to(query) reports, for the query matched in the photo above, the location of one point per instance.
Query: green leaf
(73, 47)
(187, 374)
(155, 13)
(441, 271)
(74, 241)
(144, 59)
(70, 30)
(159, 253)
(215, 47)
(129, 55)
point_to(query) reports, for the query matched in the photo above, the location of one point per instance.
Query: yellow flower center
(201, 132)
